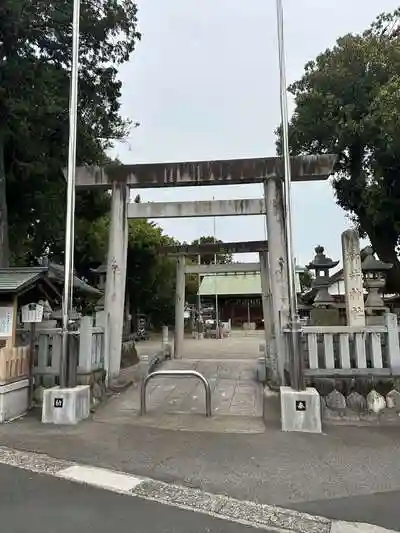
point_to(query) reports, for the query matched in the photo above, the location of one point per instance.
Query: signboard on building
(6, 322)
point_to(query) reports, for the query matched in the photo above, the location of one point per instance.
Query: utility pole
(198, 297)
(70, 215)
(295, 354)
(216, 282)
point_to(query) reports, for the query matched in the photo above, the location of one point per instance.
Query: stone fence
(352, 351)
(355, 369)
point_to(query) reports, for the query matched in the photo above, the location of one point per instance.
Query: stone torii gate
(121, 178)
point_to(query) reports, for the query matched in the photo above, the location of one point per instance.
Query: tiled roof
(56, 273)
(13, 280)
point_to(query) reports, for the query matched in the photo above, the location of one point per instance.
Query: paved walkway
(172, 403)
(238, 346)
(179, 403)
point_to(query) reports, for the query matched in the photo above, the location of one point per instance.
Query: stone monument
(353, 278)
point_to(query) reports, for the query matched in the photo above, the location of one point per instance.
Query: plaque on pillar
(353, 279)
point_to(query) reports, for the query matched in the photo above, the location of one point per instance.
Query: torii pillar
(266, 170)
(278, 272)
(114, 304)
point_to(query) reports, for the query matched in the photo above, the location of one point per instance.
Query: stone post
(85, 344)
(179, 307)
(353, 278)
(393, 342)
(273, 194)
(164, 336)
(270, 349)
(116, 279)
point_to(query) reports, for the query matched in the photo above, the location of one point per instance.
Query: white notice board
(6, 322)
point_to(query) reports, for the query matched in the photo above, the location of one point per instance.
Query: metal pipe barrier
(179, 374)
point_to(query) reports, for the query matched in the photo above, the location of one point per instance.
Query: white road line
(101, 478)
(348, 527)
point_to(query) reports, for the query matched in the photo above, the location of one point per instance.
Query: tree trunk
(4, 242)
(385, 249)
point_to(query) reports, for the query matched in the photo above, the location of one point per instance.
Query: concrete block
(14, 400)
(66, 406)
(300, 410)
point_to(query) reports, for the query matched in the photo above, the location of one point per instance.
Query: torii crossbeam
(192, 173)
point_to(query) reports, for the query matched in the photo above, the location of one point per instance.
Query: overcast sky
(204, 84)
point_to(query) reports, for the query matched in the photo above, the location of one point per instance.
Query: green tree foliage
(207, 259)
(151, 277)
(306, 279)
(348, 103)
(35, 61)
(150, 280)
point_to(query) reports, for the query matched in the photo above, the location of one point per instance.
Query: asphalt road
(380, 509)
(43, 504)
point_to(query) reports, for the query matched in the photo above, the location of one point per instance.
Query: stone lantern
(322, 265)
(101, 273)
(374, 274)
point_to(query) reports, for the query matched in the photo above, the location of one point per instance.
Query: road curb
(249, 513)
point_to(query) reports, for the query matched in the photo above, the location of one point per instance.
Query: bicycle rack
(179, 374)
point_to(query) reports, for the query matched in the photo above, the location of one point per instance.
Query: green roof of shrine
(243, 284)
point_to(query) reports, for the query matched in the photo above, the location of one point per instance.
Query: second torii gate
(121, 178)
(181, 251)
